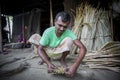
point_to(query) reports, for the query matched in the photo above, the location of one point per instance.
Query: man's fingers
(54, 67)
(50, 70)
(67, 74)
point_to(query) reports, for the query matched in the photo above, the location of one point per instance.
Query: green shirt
(50, 39)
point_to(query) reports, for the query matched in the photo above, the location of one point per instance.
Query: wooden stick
(104, 67)
(51, 14)
(103, 56)
(0, 32)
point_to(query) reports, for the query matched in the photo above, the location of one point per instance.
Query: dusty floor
(11, 69)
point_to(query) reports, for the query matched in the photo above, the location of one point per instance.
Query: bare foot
(41, 62)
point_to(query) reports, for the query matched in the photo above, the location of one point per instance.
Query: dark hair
(64, 15)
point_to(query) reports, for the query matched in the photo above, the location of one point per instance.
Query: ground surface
(22, 64)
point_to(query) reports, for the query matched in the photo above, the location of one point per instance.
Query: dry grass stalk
(107, 57)
(91, 26)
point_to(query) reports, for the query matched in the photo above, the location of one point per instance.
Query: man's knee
(68, 41)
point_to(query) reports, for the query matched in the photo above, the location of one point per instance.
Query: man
(57, 41)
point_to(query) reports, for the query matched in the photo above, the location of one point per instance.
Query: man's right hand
(51, 68)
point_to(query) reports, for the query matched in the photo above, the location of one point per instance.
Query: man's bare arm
(82, 52)
(43, 54)
(71, 70)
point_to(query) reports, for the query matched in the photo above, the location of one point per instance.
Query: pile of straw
(91, 26)
(107, 57)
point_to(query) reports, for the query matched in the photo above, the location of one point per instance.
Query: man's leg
(66, 43)
(63, 58)
(60, 53)
(34, 40)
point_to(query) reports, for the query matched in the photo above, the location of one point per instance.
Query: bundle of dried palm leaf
(107, 57)
(91, 26)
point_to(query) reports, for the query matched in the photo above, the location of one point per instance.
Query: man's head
(62, 21)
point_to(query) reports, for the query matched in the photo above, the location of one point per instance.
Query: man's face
(60, 26)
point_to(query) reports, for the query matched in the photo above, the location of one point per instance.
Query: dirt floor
(22, 64)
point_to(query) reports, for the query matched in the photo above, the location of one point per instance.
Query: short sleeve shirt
(50, 39)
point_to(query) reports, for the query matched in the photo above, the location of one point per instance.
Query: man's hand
(51, 68)
(71, 71)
